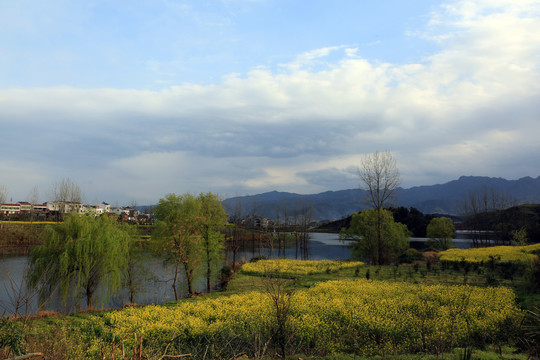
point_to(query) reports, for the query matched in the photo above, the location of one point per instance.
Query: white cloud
(469, 108)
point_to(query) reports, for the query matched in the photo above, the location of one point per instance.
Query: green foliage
(520, 237)
(213, 218)
(11, 336)
(187, 234)
(394, 238)
(531, 325)
(411, 255)
(415, 220)
(80, 255)
(169, 208)
(136, 271)
(178, 235)
(441, 231)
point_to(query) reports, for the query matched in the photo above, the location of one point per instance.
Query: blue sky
(136, 99)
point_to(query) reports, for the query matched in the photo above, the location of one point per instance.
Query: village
(53, 210)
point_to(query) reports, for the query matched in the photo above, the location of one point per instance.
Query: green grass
(488, 354)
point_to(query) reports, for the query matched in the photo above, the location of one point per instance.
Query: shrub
(411, 255)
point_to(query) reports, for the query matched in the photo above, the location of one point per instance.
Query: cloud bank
(469, 108)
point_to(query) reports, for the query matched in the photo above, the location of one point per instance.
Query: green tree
(213, 218)
(441, 231)
(80, 255)
(519, 237)
(380, 177)
(178, 235)
(366, 227)
(136, 271)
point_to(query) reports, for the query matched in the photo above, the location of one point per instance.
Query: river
(155, 284)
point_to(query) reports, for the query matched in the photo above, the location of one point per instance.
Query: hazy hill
(331, 205)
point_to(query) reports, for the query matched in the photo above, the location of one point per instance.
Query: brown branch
(27, 356)
(175, 356)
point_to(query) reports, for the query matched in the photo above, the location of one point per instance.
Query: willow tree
(213, 219)
(380, 178)
(80, 256)
(177, 236)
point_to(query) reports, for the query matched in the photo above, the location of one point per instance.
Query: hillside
(332, 205)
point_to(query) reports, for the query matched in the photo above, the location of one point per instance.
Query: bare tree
(306, 216)
(3, 198)
(253, 223)
(234, 241)
(67, 195)
(380, 178)
(3, 194)
(67, 191)
(481, 201)
(280, 293)
(33, 198)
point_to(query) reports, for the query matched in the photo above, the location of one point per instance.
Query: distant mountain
(332, 205)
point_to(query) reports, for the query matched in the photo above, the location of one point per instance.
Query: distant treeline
(501, 224)
(415, 220)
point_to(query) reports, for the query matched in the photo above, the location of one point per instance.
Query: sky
(134, 99)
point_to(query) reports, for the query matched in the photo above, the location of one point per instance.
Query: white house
(105, 207)
(93, 209)
(10, 209)
(65, 207)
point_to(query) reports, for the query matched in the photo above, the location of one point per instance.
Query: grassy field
(313, 310)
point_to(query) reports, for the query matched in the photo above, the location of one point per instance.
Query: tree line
(381, 233)
(86, 253)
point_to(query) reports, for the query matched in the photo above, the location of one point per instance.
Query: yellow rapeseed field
(299, 267)
(355, 316)
(501, 253)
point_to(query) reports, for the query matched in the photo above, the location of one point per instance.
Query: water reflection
(156, 283)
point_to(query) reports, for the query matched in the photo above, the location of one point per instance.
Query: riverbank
(413, 311)
(154, 278)
(18, 238)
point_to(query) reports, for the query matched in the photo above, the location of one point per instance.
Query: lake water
(156, 286)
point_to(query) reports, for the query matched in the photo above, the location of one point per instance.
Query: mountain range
(445, 198)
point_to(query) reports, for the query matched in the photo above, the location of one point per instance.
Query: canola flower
(374, 317)
(297, 267)
(354, 316)
(501, 253)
